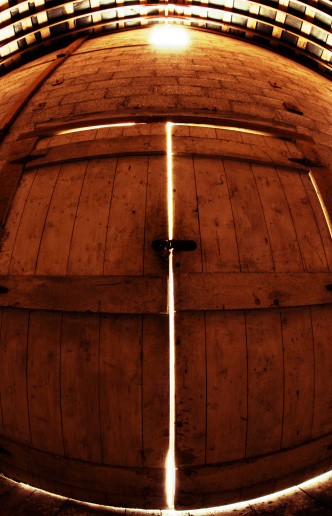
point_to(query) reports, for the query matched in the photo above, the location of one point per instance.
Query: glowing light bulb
(169, 36)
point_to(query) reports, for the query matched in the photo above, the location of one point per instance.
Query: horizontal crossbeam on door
(106, 294)
(239, 291)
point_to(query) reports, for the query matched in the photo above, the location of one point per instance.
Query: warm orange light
(169, 36)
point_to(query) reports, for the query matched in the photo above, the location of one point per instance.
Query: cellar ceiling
(298, 29)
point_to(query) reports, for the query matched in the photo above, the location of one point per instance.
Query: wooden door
(253, 317)
(84, 332)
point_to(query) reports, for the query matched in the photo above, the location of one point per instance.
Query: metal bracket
(165, 246)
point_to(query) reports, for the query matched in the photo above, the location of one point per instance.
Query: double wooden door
(84, 335)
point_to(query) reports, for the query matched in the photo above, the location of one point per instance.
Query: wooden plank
(13, 220)
(26, 247)
(120, 387)
(11, 500)
(56, 238)
(273, 127)
(220, 479)
(239, 151)
(237, 291)
(250, 226)
(186, 217)
(284, 245)
(97, 149)
(125, 237)
(139, 482)
(226, 386)
(79, 387)
(1, 417)
(305, 224)
(190, 388)
(320, 491)
(5, 485)
(87, 495)
(10, 176)
(155, 384)
(55, 487)
(26, 95)
(322, 222)
(322, 331)
(13, 385)
(107, 294)
(265, 382)
(218, 238)
(299, 375)
(156, 223)
(43, 380)
(87, 248)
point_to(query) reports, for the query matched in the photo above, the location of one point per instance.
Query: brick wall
(214, 73)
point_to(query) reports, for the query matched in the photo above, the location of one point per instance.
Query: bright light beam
(170, 461)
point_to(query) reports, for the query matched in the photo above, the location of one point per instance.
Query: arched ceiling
(299, 29)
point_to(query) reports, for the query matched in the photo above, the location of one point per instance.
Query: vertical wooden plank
(320, 218)
(265, 381)
(56, 237)
(87, 249)
(322, 331)
(13, 384)
(218, 238)
(190, 389)
(299, 375)
(13, 220)
(88, 495)
(121, 390)
(155, 390)
(125, 236)
(284, 245)
(186, 218)
(43, 378)
(250, 226)
(79, 386)
(308, 235)
(55, 487)
(226, 386)
(156, 224)
(200, 131)
(27, 242)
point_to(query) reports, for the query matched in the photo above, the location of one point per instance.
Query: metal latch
(165, 246)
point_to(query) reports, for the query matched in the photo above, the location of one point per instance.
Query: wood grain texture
(156, 223)
(237, 291)
(299, 375)
(218, 237)
(226, 386)
(145, 483)
(120, 381)
(26, 247)
(13, 359)
(125, 236)
(322, 331)
(43, 381)
(186, 216)
(252, 237)
(190, 388)
(13, 220)
(87, 250)
(155, 385)
(103, 148)
(265, 382)
(107, 294)
(305, 224)
(282, 237)
(56, 238)
(80, 387)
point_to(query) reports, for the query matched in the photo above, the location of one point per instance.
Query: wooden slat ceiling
(300, 29)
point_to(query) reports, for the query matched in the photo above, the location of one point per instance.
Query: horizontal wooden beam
(156, 145)
(95, 294)
(239, 291)
(224, 121)
(128, 485)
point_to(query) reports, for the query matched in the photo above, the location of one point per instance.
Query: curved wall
(122, 73)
